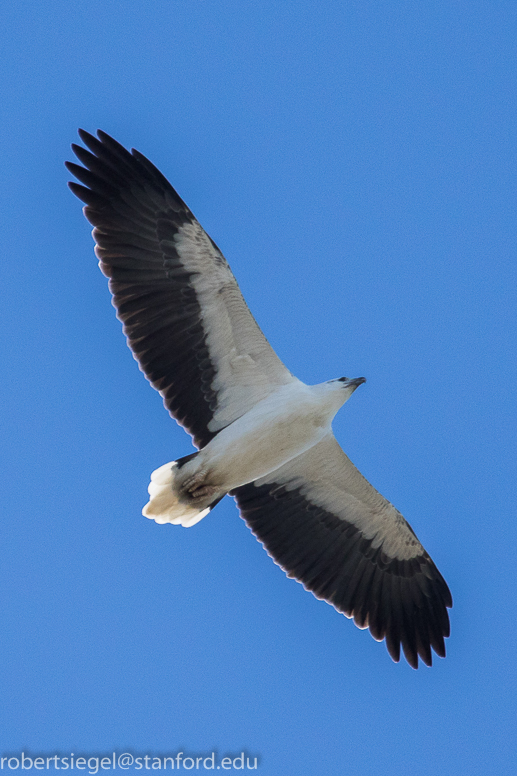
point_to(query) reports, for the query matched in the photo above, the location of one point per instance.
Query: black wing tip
(102, 136)
(84, 135)
(116, 159)
(82, 192)
(74, 168)
(105, 165)
(91, 141)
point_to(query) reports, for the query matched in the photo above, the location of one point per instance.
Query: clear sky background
(355, 161)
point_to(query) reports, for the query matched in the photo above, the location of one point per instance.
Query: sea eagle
(263, 436)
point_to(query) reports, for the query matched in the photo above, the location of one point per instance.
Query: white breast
(280, 427)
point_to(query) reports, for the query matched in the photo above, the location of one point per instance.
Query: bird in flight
(263, 436)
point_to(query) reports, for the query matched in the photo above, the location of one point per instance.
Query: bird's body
(277, 429)
(263, 436)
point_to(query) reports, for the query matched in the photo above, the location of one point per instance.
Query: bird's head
(341, 388)
(348, 385)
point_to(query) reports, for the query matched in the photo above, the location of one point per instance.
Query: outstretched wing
(327, 527)
(184, 316)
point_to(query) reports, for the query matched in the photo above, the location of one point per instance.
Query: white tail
(167, 505)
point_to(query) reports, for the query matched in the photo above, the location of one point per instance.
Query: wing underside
(328, 528)
(184, 316)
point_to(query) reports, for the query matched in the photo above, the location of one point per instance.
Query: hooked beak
(352, 383)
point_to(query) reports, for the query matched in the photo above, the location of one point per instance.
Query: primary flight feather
(263, 436)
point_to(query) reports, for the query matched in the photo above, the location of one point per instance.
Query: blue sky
(355, 161)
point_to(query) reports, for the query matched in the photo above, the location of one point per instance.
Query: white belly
(277, 429)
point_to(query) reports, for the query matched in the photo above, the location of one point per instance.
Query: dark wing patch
(403, 601)
(136, 214)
